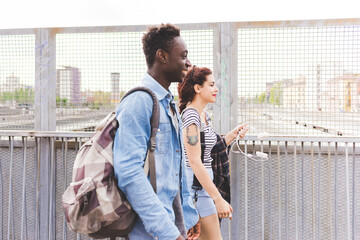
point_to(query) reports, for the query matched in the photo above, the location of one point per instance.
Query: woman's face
(208, 90)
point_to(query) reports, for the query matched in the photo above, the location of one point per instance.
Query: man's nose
(188, 63)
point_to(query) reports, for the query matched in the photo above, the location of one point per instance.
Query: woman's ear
(197, 88)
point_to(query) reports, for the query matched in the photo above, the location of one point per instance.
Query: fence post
(45, 118)
(225, 109)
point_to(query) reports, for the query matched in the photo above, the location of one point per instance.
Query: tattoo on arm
(192, 138)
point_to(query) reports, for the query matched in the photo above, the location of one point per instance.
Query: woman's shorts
(204, 205)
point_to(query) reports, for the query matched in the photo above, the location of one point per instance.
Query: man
(166, 58)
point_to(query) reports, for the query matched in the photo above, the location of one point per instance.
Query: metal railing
(306, 189)
(35, 169)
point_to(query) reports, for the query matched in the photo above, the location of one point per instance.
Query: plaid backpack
(93, 203)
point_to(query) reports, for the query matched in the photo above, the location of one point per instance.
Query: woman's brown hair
(186, 90)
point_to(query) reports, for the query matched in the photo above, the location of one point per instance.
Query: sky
(77, 13)
(74, 13)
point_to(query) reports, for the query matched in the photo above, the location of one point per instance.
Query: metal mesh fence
(18, 201)
(291, 80)
(200, 44)
(94, 70)
(300, 80)
(64, 163)
(299, 196)
(305, 190)
(17, 81)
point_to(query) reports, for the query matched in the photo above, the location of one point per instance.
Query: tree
(276, 94)
(61, 102)
(7, 96)
(101, 97)
(64, 101)
(21, 96)
(261, 98)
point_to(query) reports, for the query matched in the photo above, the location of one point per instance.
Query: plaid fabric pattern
(221, 167)
(93, 200)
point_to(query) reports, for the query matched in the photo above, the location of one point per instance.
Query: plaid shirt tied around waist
(221, 167)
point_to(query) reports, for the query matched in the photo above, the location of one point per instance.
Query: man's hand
(194, 232)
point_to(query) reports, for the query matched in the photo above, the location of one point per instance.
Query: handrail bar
(18, 133)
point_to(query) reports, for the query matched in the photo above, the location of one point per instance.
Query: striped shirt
(191, 116)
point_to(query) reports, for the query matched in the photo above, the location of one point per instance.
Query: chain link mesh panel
(94, 70)
(17, 82)
(18, 201)
(300, 80)
(304, 195)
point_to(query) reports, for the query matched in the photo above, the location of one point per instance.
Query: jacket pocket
(163, 138)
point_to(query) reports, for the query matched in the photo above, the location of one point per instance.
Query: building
(317, 83)
(12, 83)
(13, 93)
(68, 84)
(343, 93)
(275, 91)
(294, 93)
(115, 88)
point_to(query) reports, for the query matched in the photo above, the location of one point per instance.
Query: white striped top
(191, 116)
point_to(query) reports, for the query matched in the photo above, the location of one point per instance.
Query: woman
(195, 92)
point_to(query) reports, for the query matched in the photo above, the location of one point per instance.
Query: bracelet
(214, 199)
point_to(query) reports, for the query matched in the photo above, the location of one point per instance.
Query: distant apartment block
(11, 84)
(68, 84)
(343, 93)
(289, 93)
(294, 93)
(338, 94)
(317, 85)
(13, 92)
(115, 88)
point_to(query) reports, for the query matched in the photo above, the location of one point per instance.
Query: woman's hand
(231, 136)
(223, 208)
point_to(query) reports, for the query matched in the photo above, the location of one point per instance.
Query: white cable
(260, 156)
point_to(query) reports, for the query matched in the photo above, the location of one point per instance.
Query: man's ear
(197, 88)
(162, 56)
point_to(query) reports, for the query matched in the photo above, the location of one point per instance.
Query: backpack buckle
(152, 143)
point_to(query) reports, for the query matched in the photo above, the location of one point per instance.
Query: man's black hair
(158, 37)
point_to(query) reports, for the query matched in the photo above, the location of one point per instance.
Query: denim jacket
(130, 147)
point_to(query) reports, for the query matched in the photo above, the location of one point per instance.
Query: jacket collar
(159, 91)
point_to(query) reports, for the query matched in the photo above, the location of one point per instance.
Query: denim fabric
(139, 232)
(204, 205)
(130, 147)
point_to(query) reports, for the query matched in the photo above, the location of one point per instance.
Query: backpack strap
(150, 167)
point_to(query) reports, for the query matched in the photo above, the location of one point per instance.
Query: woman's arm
(191, 135)
(193, 150)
